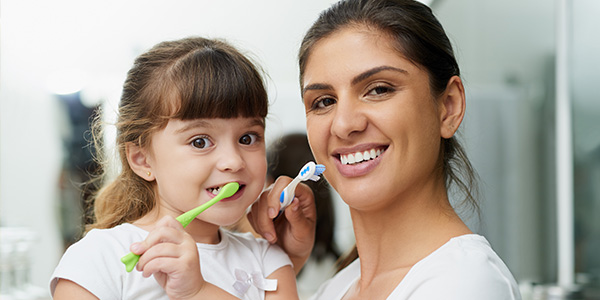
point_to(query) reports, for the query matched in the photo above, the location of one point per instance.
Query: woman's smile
(359, 160)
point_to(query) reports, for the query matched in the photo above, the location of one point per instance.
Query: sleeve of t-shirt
(273, 258)
(475, 277)
(93, 263)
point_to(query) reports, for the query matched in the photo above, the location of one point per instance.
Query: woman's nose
(230, 159)
(348, 119)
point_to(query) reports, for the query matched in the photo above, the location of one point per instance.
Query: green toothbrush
(131, 259)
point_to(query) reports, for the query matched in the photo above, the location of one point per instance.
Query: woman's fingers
(294, 230)
(266, 209)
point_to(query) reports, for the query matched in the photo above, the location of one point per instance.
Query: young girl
(191, 119)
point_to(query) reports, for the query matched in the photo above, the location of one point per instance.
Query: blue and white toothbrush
(310, 171)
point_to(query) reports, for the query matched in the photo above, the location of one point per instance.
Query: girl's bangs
(215, 84)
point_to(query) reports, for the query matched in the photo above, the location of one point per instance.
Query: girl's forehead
(179, 125)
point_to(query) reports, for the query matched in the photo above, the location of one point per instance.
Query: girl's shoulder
(246, 246)
(246, 240)
(94, 263)
(120, 236)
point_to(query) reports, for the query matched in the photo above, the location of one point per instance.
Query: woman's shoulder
(466, 267)
(470, 252)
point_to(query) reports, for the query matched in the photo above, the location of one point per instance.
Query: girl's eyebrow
(205, 123)
(256, 122)
(358, 78)
(194, 124)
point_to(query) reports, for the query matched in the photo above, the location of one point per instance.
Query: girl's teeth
(357, 157)
(215, 190)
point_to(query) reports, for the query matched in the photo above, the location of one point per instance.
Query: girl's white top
(237, 264)
(465, 268)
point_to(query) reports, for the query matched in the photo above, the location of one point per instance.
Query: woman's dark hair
(183, 79)
(419, 37)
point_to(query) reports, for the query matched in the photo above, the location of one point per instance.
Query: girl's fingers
(167, 229)
(150, 261)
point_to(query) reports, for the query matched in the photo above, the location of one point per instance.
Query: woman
(383, 100)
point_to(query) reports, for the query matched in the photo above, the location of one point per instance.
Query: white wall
(97, 41)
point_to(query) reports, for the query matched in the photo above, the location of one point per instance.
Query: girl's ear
(452, 107)
(138, 161)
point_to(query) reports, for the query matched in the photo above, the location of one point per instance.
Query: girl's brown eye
(201, 143)
(248, 139)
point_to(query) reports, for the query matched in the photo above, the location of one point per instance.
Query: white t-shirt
(465, 268)
(94, 263)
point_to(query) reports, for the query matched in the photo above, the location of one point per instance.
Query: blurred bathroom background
(61, 59)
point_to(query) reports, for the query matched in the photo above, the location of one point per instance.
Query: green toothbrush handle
(130, 260)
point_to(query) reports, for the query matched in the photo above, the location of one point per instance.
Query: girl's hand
(171, 255)
(293, 230)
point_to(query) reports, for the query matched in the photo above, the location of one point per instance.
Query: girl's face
(371, 118)
(191, 159)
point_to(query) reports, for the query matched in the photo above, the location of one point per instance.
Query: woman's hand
(171, 255)
(294, 229)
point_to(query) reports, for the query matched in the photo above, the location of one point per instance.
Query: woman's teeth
(354, 158)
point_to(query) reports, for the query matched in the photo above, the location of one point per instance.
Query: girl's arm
(67, 289)
(294, 230)
(286, 284)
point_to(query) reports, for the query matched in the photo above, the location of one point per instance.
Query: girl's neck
(201, 232)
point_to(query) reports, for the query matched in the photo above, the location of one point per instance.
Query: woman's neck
(392, 240)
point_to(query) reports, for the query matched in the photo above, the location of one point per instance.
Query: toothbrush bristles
(319, 169)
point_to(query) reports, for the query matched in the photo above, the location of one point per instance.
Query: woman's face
(371, 118)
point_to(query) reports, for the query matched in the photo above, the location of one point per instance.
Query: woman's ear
(138, 161)
(452, 107)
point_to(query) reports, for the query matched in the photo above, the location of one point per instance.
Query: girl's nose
(348, 119)
(230, 159)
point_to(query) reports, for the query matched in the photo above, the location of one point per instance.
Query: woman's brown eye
(380, 90)
(325, 102)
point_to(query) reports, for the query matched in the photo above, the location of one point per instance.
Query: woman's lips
(360, 156)
(359, 162)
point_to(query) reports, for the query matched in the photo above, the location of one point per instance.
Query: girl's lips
(235, 196)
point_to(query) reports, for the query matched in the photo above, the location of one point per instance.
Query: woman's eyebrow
(358, 78)
(368, 73)
(316, 86)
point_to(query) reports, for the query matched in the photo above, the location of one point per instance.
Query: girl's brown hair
(183, 79)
